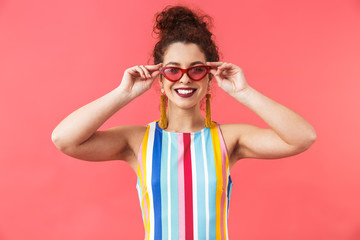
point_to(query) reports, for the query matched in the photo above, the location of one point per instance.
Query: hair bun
(172, 18)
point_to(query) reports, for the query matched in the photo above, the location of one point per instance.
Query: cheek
(168, 86)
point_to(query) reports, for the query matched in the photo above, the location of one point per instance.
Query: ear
(210, 76)
(209, 84)
(160, 80)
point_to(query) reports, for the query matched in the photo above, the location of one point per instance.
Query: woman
(183, 160)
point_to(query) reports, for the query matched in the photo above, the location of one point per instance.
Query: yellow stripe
(226, 189)
(142, 189)
(219, 185)
(145, 141)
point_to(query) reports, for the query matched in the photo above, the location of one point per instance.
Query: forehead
(183, 53)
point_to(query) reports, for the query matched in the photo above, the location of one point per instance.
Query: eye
(172, 70)
(198, 69)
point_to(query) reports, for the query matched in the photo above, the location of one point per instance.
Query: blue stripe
(200, 183)
(155, 183)
(229, 193)
(164, 183)
(212, 181)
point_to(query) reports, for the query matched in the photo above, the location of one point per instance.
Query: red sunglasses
(195, 73)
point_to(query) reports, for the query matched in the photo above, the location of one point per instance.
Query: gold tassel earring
(163, 120)
(208, 112)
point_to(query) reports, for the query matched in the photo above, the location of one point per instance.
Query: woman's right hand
(138, 79)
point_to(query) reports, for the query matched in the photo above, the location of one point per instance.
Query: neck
(184, 120)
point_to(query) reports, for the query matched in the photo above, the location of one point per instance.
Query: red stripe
(188, 188)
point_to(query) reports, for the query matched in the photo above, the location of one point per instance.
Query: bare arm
(77, 134)
(78, 129)
(290, 133)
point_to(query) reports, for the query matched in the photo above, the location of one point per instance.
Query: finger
(146, 72)
(155, 74)
(224, 65)
(218, 67)
(218, 79)
(214, 64)
(133, 71)
(153, 67)
(140, 71)
(213, 71)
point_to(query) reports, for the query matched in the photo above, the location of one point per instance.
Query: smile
(185, 92)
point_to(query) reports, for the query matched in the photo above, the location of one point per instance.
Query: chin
(185, 105)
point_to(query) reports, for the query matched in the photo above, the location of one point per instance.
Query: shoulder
(134, 133)
(238, 127)
(232, 132)
(137, 133)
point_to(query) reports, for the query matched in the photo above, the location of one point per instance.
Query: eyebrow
(191, 64)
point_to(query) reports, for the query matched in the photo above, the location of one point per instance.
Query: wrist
(244, 95)
(123, 93)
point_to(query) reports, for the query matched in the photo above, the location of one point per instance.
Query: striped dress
(184, 184)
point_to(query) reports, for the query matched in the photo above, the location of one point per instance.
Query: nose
(185, 79)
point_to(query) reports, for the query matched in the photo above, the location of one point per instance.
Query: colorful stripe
(188, 187)
(184, 184)
(155, 183)
(181, 205)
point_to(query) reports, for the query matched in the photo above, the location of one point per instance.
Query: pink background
(56, 56)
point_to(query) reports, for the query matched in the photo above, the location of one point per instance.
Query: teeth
(181, 91)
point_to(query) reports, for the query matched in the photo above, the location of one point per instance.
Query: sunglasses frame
(183, 71)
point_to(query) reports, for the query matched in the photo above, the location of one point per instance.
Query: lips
(185, 92)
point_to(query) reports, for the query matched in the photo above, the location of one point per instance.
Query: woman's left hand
(229, 77)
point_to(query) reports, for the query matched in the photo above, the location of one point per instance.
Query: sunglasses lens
(172, 73)
(197, 73)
